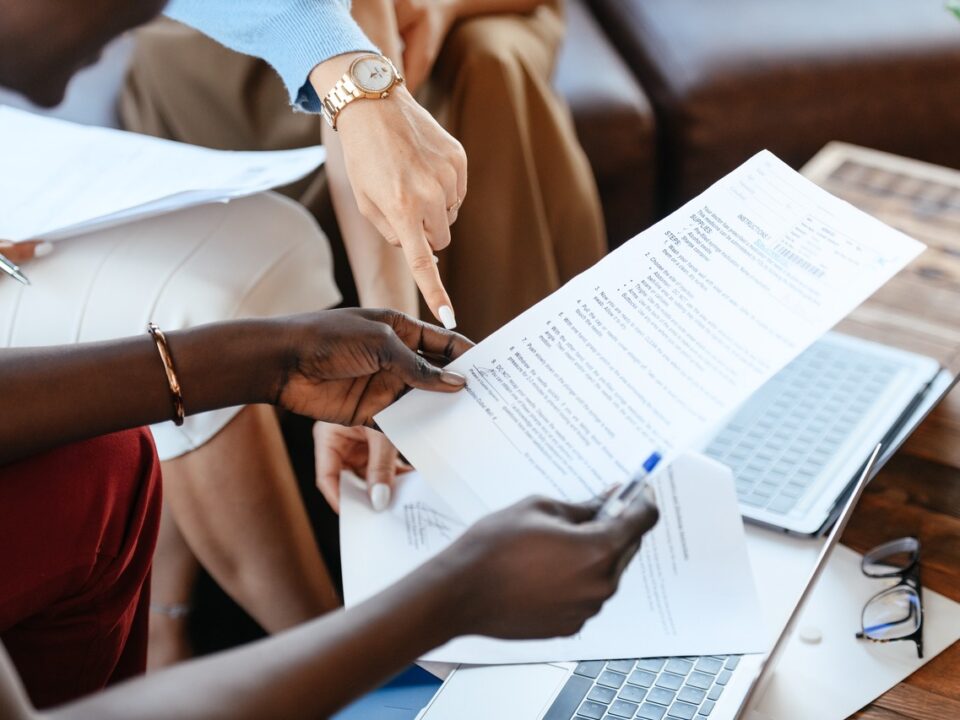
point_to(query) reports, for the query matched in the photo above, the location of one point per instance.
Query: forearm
(468, 8)
(307, 672)
(56, 395)
(379, 270)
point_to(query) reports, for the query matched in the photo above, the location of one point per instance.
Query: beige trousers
(531, 219)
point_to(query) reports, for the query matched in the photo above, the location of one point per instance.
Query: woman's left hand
(423, 25)
(366, 453)
(347, 365)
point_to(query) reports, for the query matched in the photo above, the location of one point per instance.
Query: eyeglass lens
(891, 558)
(892, 614)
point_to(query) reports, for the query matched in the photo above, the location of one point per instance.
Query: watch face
(372, 74)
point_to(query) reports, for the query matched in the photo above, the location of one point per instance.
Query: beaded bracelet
(176, 394)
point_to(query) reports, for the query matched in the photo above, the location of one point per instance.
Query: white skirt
(261, 256)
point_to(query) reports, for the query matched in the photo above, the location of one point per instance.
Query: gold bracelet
(176, 394)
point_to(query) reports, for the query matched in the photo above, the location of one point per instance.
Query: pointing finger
(419, 256)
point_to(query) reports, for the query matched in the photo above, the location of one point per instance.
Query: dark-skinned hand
(542, 568)
(348, 365)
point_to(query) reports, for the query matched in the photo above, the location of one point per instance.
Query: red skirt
(78, 526)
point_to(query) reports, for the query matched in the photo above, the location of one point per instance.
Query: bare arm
(56, 395)
(307, 672)
(499, 579)
(466, 8)
(379, 270)
(340, 365)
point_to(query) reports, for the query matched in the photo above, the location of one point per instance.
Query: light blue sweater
(294, 36)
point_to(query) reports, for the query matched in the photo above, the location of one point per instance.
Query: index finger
(635, 520)
(328, 463)
(640, 516)
(20, 252)
(419, 257)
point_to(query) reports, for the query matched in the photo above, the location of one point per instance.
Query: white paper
(689, 591)
(59, 178)
(805, 681)
(652, 347)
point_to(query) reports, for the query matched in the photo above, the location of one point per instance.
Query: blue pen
(617, 503)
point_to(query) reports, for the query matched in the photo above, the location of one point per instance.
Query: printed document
(652, 347)
(59, 179)
(689, 590)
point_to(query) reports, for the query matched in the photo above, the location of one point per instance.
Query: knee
(497, 60)
(124, 492)
(73, 510)
(484, 46)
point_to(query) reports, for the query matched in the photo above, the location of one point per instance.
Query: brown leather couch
(614, 120)
(729, 78)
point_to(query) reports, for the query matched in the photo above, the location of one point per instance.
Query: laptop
(796, 446)
(714, 687)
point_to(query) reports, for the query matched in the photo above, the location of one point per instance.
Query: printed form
(652, 347)
(689, 591)
(61, 179)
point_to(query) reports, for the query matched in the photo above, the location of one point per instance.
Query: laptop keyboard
(780, 441)
(684, 688)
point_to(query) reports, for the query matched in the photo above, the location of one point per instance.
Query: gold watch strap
(343, 93)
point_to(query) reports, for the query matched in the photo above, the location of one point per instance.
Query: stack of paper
(649, 350)
(59, 179)
(692, 569)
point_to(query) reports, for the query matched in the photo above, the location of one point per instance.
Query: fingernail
(436, 260)
(650, 494)
(380, 496)
(41, 249)
(452, 378)
(447, 317)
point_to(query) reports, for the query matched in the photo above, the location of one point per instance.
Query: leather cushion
(728, 79)
(614, 121)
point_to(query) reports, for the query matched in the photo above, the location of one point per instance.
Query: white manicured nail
(447, 317)
(41, 249)
(380, 496)
(436, 260)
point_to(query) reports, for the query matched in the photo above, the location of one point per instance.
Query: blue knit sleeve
(294, 36)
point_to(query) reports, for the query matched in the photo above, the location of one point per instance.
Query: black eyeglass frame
(908, 577)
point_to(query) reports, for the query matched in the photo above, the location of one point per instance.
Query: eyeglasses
(897, 612)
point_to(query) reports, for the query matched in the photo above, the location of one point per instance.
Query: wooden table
(918, 492)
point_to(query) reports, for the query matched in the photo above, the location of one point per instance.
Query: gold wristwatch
(370, 76)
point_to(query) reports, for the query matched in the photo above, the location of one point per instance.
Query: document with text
(689, 590)
(651, 348)
(59, 179)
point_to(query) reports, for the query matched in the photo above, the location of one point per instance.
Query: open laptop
(714, 687)
(796, 445)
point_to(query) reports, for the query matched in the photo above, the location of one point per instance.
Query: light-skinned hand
(365, 452)
(408, 175)
(423, 25)
(21, 252)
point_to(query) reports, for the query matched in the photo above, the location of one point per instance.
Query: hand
(423, 25)
(19, 253)
(365, 452)
(542, 568)
(408, 175)
(345, 366)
